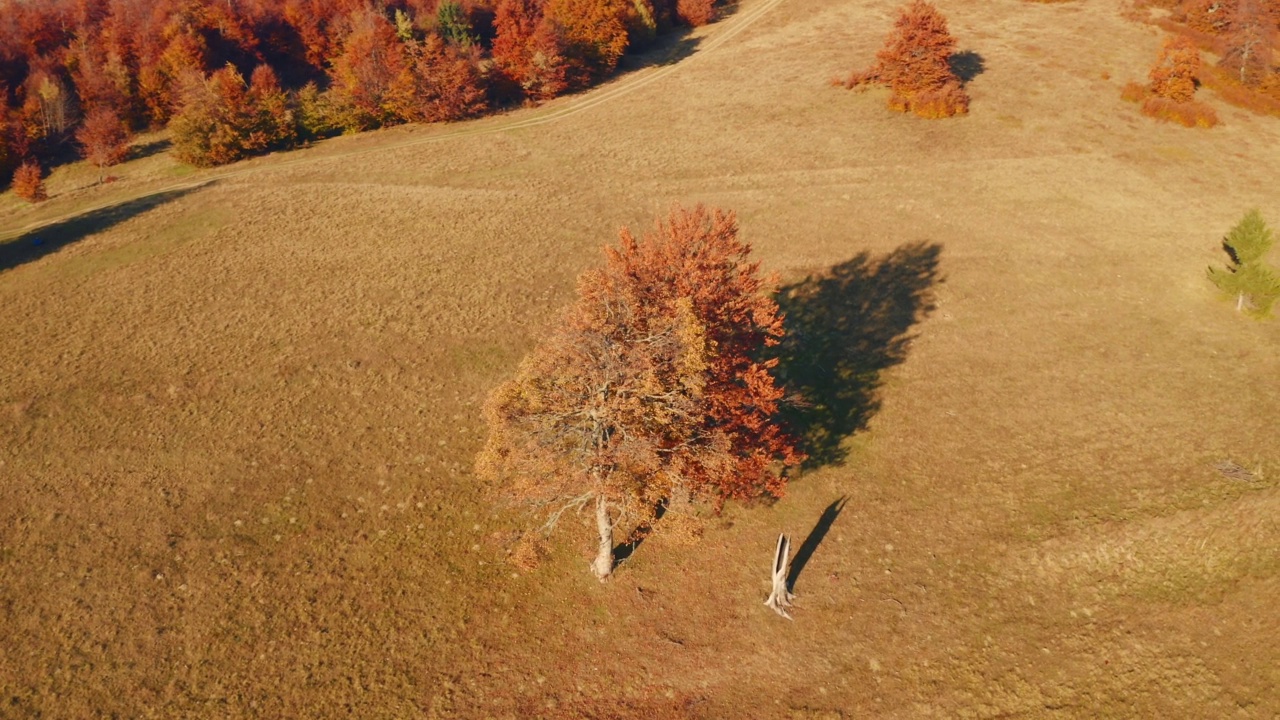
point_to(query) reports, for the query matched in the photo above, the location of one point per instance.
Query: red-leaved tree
(649, 391)
(528, 50)
(104, 138)
(915, 65)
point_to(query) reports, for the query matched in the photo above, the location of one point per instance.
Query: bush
(1188, 114)
(28, 183)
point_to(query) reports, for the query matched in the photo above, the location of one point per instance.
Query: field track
(721, 34)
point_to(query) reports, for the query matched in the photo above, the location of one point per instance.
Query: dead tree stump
(780, 598)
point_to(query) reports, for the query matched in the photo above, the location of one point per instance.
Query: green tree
(1255, 285)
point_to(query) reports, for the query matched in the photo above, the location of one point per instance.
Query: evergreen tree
(1255, 285)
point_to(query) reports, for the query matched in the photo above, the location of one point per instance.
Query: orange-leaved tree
(440, 82)
(104, 137)
(915, 64)
(528, 50)
(1174, 76)
(649, 392)
(1171, 93)
(28, 183)
(594, 36)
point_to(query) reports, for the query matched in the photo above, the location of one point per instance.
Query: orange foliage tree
(440, 82)
(915, 65)
(696, 13)
(104, 138)
(594, 34)
(28, 183)
(527, 49)
(366, 70)
(222, 119)
(649, 390)
(1175, 73)
(1171, 93)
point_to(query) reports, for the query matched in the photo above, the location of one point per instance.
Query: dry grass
(237, 426)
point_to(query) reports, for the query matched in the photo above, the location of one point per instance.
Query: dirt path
(722, 34)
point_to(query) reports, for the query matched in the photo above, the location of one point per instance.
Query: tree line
(238, 77)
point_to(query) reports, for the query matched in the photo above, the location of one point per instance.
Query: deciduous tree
(915, 65)
(28, 183)
(649, 389)
(104, 138)
(371, 60)
(594, 35)
(440, 82)
(1174, 76)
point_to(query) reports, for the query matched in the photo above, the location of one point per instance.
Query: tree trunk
(603, 565)
(1240, 302)
(780, 599)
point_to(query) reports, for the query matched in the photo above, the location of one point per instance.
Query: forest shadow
(38, 242)
(815, 538)
(844, 328)
(967, 65)
(668, 48)
(148, 149)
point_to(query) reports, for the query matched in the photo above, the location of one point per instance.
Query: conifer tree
(1255, 285)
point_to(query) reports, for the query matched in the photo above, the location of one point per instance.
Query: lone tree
(648, 393)
(104, 138)
(1255, 285)
(1171, 92)
(915, 64)
(28, 182)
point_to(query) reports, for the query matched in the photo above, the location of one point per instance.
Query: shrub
(28, 183)
(1188, 114)
(915, 65)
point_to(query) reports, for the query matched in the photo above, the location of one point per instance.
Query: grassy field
(238, 417)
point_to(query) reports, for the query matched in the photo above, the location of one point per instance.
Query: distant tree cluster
(915, 64)
(1170, 95)
(92, 72)
(1245, 36)
(650, 395)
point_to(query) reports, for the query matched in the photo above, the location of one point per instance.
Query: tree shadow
(811, 543)
(147, 149)
(628, 548)
(845, 327)
(967, 65)
(36, 243)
